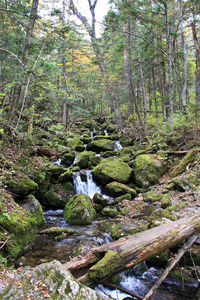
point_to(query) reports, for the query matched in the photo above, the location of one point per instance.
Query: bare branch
(12, 54)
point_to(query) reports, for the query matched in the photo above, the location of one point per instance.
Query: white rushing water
(87, 185)
(117, 146)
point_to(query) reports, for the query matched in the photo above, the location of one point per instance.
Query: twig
(170, 267)
(4, 243)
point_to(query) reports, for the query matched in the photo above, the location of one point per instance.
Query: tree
(92, 33)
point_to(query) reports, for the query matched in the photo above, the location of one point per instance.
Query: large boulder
(148, 169)
(116, 189)
(84, 158)
(49, 281)
(59, 194)
(79, 210)
(17, 225)
(101, 145)
(76, 144)
(112, 169)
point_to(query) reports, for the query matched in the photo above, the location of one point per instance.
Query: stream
(138, 280)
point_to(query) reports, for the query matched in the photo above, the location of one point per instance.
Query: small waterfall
(105, 133)
(75, 160)
(92, 134)
(85, 184)
(117, 145)
(57, 162)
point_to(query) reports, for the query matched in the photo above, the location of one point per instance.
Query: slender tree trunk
(142, 83)
(18, 86)
(126, 68)
(169, 59)
(184, 90)
(197, 48)
(91, 31)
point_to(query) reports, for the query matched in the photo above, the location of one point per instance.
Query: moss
(118, 189)
(110, 212)
(84, 158)
(166, 201)
(112, 169)
(79, 210)
(152, 196)
(178, 206)
(66, 176)
(105, 266)
(56, 231)
(188, 158)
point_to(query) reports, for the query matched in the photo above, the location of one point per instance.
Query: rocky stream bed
(96, 186)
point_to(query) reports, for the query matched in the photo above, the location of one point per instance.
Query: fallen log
(100, 263)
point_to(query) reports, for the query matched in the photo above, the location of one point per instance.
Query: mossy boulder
(59, 194)
(94, 161)
(100, 202)
(152, 196)
(110, 212)
(166, 201)
(76, 144)
(55, 170)
(84, 158)
(112, 128)
(160, 215)
(66, 176)
(49, 281)
(17, 225)
(148, 169)
(85, 138)
(101, 145)
(79, 210)
(23, 188)
(126, 154)
(112, 169)
(32, 205)
(186, 181)
(68, 159)
(116, 189)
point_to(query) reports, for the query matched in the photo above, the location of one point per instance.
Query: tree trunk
(197, 48)
(169, 59)
(184, 89)
(97, 51)
(103, 262)
(18, 86)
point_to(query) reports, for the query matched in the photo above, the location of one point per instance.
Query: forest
(99, 149)
(143, 69)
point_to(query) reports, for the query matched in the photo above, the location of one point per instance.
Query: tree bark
(103, 262)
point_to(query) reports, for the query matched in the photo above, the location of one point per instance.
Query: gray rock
(49, 281)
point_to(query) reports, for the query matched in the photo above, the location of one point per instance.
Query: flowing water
(48, 248)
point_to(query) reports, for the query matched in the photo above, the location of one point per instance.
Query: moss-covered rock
(49, 281)
(148, 169)
(100, 202)
(57, 231)
(126, 153)
(186, 181)
(79, 210)
(110, 212)
(101, 145)
(84, 158)
(152, 196)
(94, 161)
(112, 128)
(76, 144)
(68, 159)
(116, 189)
(66, 176)
(17, 225)
(166, 201)
(160, 215)
(59, 194)
(112, 169)
(32, 205)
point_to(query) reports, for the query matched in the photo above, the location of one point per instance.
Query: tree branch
(12, 54)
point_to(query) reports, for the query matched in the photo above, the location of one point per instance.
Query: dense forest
(143, 69)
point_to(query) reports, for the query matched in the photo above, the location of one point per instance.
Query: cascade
(57, 162)
(83, 183)
(117, 145)
(75, 160)
(105, 133)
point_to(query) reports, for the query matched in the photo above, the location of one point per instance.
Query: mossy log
(102, 262)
